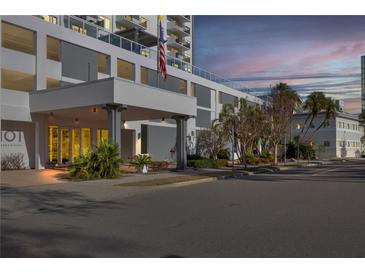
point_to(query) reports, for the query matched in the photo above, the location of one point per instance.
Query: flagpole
(158, 51)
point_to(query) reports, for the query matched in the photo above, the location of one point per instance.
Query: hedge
(207, 163)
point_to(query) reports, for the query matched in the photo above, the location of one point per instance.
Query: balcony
(174, 42)
(134, 27)
(175, 28)
(180, 18)
(125, 22)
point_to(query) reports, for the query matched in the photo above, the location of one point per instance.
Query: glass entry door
(65, 141)
(65, 145)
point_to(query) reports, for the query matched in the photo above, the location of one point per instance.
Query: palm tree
(330, 113)
(315, 102)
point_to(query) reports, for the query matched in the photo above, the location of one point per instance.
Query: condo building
(68, 82)
(340, 138)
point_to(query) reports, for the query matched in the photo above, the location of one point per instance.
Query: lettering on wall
(13, 141)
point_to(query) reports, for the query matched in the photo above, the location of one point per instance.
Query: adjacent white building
(69, 81)
(341, 138)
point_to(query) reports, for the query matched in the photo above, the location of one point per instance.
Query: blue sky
(310, 53)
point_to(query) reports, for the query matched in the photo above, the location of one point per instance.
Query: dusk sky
(310, 53)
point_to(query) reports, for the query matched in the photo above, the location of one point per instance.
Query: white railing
(80, 25)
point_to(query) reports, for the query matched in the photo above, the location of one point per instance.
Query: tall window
(65, 143)
(53, 49)
(75, 143)
(102, 135)
(17, 38)
(85, 140)
(53, 143)
(125, 70)
(103, 63)
(16, 80)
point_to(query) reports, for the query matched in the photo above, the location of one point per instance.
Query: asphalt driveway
(317, 212)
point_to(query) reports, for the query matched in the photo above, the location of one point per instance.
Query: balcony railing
(92, 30)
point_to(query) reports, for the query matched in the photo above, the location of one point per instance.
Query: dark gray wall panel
(203, 118)
(227, 98)
(203, 95)
(160, 142)
(78, 62)
(171, 83)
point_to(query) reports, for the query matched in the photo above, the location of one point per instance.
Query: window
(17, 38)
(102, 135)
(182, 86)
(106, 21)
(16, 80)
(53, 143)
(85, 140)
(326, 143)
(225, 99)
(297, 126)
(53, 83)
(65, 145)
(144, 75)
(50, 18)
(103, 63)
(125, 70)
(149, 77)
(53, 49)
(75, 143)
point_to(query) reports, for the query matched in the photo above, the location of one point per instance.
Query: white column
(41, 56)
(114, 123)
(181, 125)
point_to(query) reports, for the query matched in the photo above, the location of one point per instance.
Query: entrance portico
(108, 104)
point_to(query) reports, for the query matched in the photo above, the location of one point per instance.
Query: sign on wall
(12, 141)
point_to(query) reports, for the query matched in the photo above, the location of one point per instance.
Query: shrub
(265, 154)
(12, 161)
(224, 154)
(194, 157)
(102, 163)
(207, 163)
(250, 159)
(306, 151)
(141, 160)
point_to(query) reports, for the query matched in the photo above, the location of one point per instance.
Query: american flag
(162, 55)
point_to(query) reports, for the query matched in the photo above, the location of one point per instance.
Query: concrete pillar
(114, 123)
(40, 142)
(41, 56)
(181, 131)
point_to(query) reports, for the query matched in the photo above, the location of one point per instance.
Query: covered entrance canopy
(115, 100)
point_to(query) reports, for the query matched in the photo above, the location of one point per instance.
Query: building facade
(363, 84)
(68, 82)
(341, 138)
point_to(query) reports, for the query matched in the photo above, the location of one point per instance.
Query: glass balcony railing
(84, 27)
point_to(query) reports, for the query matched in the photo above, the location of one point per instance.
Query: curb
(193, 182)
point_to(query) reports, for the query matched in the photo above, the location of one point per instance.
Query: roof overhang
(143, 102)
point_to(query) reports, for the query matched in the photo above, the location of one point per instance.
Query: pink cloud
(352, 105)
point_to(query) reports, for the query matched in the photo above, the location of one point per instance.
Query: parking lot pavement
(315, 212)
